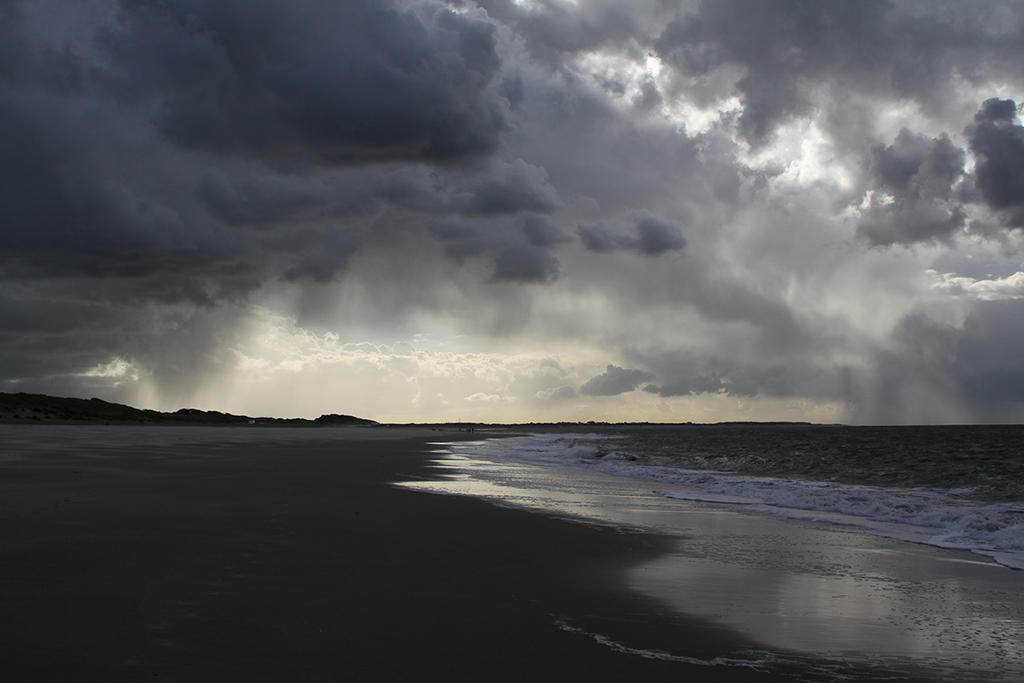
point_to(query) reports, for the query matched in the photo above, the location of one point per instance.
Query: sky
(531, 210)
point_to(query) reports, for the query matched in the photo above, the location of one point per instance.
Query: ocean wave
(937, 517)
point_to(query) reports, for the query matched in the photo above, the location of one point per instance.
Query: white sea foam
(758, 662)
(935, 517)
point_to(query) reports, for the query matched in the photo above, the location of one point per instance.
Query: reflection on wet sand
(802, 586)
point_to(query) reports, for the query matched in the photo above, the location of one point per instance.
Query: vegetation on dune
(23, 407)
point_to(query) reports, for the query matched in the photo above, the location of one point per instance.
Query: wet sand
(830, 590)
(222, 554)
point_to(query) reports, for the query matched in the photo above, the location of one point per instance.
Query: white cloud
(480, 397)
(994, 289)
(116, 369)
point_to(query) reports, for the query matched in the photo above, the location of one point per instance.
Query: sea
(896, 548)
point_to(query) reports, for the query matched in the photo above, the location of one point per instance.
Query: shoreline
(295, 558)
(837, 593)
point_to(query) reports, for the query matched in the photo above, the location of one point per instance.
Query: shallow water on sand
(823, 590)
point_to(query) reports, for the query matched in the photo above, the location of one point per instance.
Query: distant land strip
(23, 407)
(31, 408)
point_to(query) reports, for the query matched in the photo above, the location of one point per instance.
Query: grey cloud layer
(918, 173)
(166, 164)
(790, 49)
(274, 80)
(614, 381)
(648, 236)
(997, 140)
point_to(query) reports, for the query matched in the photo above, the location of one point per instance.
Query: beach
(899, 581)
(187, 554)
(511, 340)
(232, 553)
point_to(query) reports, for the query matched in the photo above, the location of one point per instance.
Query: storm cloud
(997, 140)
(613, 381)
(648, 236)
(275, 80)
(516, 210)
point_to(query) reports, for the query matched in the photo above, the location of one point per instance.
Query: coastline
(199, 555)
(827, 588)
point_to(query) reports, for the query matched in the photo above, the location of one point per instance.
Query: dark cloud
(913, 180)
(339, 82)
(253, 202)
(171, 159)
(997, 141)
(108, 115)
(778, 45)
(59, 335)
(988, 366)
(598, 237)
(562, 392)
(917, 166)
(42, 337)
(656, 237)
(686, 386)
(650, 236)
(689, 374)
(613, 381)
(227, 144)
(73, 177)
(919, 177)
(909, 222)
(596, 156)
(541, 232)
(513, 187)
(519, 248)
(320, 254)
(787, 50)
(171, 170)
(938, 372)
(525, 263)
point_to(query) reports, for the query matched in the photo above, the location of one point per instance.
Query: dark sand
(291, 558)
